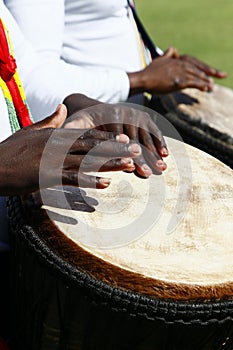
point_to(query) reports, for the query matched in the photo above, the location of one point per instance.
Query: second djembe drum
(204, 120)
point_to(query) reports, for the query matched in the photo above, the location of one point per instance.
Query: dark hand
(137, 125)
(172, 52)
(43, 155)
(208, 70)
(172, 72)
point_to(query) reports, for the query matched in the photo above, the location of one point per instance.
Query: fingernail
(58, 107)
(211, 82)
(160, 164)
(129, 164)
(122, 138)
(134, 148)
(164, 151)
(147, 170)
(105, 182)
(127, 161)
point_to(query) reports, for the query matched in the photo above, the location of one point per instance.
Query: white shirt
(82, 46)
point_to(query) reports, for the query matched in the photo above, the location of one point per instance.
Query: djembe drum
(204, 120)
(144, 264)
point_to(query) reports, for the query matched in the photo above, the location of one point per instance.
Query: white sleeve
(47, 78)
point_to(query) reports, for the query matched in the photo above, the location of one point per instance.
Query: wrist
(77, 102)
(136, 83)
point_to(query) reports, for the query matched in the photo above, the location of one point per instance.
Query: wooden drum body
(143, 265)
(204, 119)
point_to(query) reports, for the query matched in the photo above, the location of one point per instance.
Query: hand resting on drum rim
(136, 124)
(21, 164)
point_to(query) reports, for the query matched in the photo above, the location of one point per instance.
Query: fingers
(70, 178)
(104, 135)
(56, 120)
(147, 141)
(105, 148)
(158, 139)
(125, 164)
(140, 126)
(142, 129)
(198, 79)
(219, 74)
(153, 148)
(131, 131)
(197, 83)
(141, 167)
(151, 140)
(86, 129)
(211, 71)
(187, 75)
(154, 161)
(171, 52)
(115, 127)
(94, 163)
(148, 164)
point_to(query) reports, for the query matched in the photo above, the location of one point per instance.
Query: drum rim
(197, 133)
(102, 293)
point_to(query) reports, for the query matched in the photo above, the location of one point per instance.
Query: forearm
(77, 102)
(3, 185)
(8, 177)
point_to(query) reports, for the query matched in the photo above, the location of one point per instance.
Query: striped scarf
(150, 49)
(18, 111)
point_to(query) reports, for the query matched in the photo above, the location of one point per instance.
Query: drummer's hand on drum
(136, 124)
(172, 52)
(45, 155)
(172, 72)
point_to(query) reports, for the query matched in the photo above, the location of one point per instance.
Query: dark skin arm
(136, 124)
(44, 155)
(172, 72)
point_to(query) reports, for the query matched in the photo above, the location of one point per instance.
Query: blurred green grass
(201, 28)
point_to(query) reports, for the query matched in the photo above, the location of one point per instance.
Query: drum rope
(168, 311)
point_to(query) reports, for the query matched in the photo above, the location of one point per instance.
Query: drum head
(168, 236)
